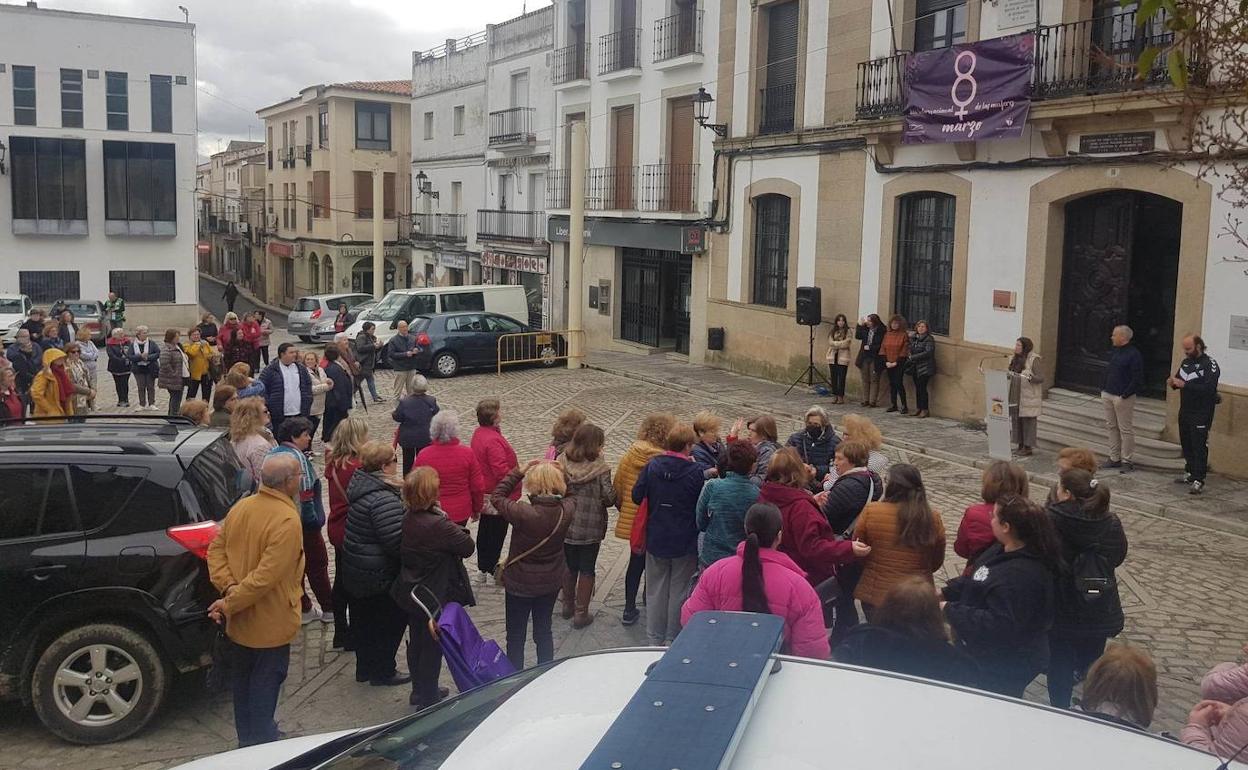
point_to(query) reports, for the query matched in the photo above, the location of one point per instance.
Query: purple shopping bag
(473, 661)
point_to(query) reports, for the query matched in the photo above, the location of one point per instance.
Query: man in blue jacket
(287, 386)
(1124, 376)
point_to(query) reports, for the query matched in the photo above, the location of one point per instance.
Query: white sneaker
(310, 616)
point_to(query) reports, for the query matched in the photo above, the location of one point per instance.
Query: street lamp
(701, 113)
(424, 187)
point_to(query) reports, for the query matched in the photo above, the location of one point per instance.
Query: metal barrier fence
(538, 347)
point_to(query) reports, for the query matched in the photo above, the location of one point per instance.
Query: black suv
(104, 530)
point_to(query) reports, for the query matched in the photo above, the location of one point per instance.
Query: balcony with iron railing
(777, 105)
(619, 51)
(678, 35)
(440, 227)
(607, 188)
(511, 226)
(570, 64)
(669, 187)
(1080, 58)
(558, 189)
(511, 126)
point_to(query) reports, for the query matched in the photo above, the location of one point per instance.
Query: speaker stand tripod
(811, 374)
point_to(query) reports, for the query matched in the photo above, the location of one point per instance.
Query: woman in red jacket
(252, 333)
(808, 538)
(1001, 479)
(342, 460)
(462, 491)
(497, 459)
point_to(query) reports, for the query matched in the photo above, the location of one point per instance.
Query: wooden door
(678, 175)
(1096, 280)
(623, 173)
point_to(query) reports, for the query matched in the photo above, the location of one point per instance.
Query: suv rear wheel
(98, 683)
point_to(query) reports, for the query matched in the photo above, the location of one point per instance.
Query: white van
(406, 304)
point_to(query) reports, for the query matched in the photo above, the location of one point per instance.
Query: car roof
(104, 434)
(332, 296)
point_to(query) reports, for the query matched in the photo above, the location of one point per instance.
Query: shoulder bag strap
(508, 562)
(849, 531)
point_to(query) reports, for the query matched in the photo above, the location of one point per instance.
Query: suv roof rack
(125, 432)
(165, 420)
(696, 701)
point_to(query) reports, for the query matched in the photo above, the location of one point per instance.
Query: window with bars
(162, 104)
(43, 286)
(771, 250)
(143, 285)
(23, 95)
(117, 100)
(923, 274)
(71, 98)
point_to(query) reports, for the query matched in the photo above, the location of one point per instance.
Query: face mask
(814, 431)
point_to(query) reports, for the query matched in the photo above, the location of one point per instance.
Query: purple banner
(969, 92)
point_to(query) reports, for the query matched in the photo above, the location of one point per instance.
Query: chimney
(450, 45)
(31, 4)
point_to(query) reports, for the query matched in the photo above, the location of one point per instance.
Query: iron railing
(619, 50)
(512, 125)
(438, 226)
(669, 187)
(1093, 56)
(307, 154)
(678, 35)
(512, 226)
(777, 105)
(558, 188)
(611, 188)
(570, 63)
(879, 86)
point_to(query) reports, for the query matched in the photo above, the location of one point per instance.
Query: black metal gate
(639, 296)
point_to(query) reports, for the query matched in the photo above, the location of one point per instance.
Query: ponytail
(1092, 495)
(762, 527)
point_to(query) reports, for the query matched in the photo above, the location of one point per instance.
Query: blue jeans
(371, 379)
(258, 676)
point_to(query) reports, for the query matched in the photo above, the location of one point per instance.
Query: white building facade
(100, 165)
(629, 71)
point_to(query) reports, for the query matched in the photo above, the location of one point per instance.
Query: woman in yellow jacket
(198, 361)
(906, 536)
(51, 391)
(650, 439)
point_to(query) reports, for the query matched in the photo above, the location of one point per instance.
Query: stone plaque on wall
(1016, 13)
(1126, 141)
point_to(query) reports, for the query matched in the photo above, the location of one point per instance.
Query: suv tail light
(316, 314)
(423, 340)
(195, 537)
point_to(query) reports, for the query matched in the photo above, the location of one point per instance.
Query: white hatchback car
(14, 310)
(718, 698)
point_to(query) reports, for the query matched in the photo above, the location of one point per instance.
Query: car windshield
(427, 739)
(13, 306)
(82, 308)
(389, 307)
(307, 305)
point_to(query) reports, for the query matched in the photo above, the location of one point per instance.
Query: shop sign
(455, 261)
(523, 263)
(367, 251)
(693, 240)
(279, 249)
(640, 235)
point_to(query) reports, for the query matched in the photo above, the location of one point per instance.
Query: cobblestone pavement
(1185, 587)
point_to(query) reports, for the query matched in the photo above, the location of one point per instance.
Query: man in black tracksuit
(1197, 381)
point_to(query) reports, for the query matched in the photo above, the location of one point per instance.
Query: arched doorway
(1120, 265)
(314, 273)
(362, 276)
(328, 267)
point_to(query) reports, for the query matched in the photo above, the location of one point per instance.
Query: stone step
(1055, 442)
(1085, 432)
(1150, 414)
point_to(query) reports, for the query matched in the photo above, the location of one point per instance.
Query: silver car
(309, 311)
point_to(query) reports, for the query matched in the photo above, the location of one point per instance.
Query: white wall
(542, 100)
(1226, 293)
(50, 40)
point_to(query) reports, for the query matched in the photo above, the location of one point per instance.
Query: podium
(997, 413)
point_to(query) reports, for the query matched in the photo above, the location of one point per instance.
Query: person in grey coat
(366, 356)
(922, 365)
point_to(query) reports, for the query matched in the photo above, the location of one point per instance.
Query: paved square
(1185, 588)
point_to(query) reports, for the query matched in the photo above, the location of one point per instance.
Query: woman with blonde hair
(533, 572)
(90, 356)
(321, 385)
(432, 555)
(195, 410)
(199, 355)
(856, 427)
(561, 432)
(342, 460)
(248, 436)
(651, 436)
(1121, 687)
(84, 391)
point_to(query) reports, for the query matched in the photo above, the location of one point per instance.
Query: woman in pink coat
(462, 485)
(761, 579)
(1219, 723)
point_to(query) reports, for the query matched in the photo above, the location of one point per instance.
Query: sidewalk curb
(1129, 501)
(247, 295)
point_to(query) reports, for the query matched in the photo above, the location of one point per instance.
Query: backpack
(1092, 575)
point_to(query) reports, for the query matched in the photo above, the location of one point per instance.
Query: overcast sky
(253, 53)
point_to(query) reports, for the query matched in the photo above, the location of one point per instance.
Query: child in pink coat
(1219, 723)
(761, 579)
